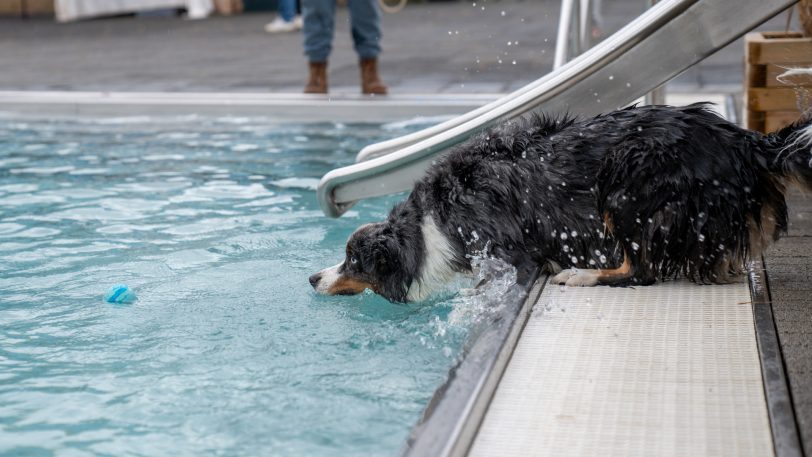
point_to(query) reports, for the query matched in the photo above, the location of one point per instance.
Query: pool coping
(452, 417)
(783, 422)
(287, 107)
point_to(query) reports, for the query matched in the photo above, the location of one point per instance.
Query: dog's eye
(354, 260)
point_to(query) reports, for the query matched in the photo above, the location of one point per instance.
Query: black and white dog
(627, 197)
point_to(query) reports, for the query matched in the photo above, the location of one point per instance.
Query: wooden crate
(21, 8)
(769, 103)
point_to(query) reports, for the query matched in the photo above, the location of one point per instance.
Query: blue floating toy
(120, 294)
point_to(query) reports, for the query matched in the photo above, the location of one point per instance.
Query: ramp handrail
(662, 42)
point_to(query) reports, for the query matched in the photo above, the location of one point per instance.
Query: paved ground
(467, 46)
(449, 47)
(789, 266)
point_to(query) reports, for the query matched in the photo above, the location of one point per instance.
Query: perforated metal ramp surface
(669, 369)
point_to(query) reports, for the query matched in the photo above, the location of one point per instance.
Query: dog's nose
(314, 279)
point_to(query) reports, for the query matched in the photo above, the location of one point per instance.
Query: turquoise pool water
(215, 225)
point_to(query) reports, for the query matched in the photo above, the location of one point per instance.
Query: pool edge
(783, 422)
(452, 417)
(277, 106)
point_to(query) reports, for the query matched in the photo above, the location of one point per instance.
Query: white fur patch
(802, 138)
(328, 277)
(437, 268)
(576, 277)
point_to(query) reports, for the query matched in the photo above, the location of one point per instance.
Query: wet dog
(628, 197)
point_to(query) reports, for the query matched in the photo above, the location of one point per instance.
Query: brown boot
(370, 81)
(317, 83)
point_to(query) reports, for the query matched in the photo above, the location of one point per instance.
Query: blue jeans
(319, 27)
(286, 9)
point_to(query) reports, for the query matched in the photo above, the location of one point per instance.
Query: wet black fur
(678, 186)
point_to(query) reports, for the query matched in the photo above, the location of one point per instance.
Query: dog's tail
(792, 148)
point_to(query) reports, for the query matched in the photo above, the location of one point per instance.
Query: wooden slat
(11, 7)
(776, 120)
(39, 6)
(755, 120)
(763, 48)
(774, 71)
(772, 99)
(755, 75)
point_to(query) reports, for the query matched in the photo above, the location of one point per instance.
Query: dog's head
(374, 260)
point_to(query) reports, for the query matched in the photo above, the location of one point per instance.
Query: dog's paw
(575, 277)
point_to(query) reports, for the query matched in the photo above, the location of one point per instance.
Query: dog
(625, 198)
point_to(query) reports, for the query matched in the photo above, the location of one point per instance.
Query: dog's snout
(314, 279)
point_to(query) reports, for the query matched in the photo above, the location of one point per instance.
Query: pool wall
(281, 107)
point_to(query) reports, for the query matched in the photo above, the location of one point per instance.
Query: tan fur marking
(607, 220)
(623, 271)
(761, 236)
(348, 286)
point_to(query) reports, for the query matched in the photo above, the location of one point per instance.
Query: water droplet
(611, 77)
(574, 233)
(503, 13)
(701, 237)
(603, 259)
(635, 246)
(563, 236)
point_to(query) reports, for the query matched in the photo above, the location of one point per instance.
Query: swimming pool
(214, 223)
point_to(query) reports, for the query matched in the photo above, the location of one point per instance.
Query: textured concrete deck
(667, 370)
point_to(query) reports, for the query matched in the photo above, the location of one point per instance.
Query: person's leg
(365, 19)
(319, 19)
(286, 19)
(287, 9)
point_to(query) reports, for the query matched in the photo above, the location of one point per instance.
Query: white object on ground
(279, 25)
(71, 10)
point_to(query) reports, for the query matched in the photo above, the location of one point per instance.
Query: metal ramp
(658, 45)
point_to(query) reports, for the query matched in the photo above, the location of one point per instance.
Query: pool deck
(430, 48)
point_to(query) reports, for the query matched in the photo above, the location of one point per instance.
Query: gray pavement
(472, 46)
(449, 47)
(789, 266)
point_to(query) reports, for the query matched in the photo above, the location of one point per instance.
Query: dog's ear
(383, 256)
